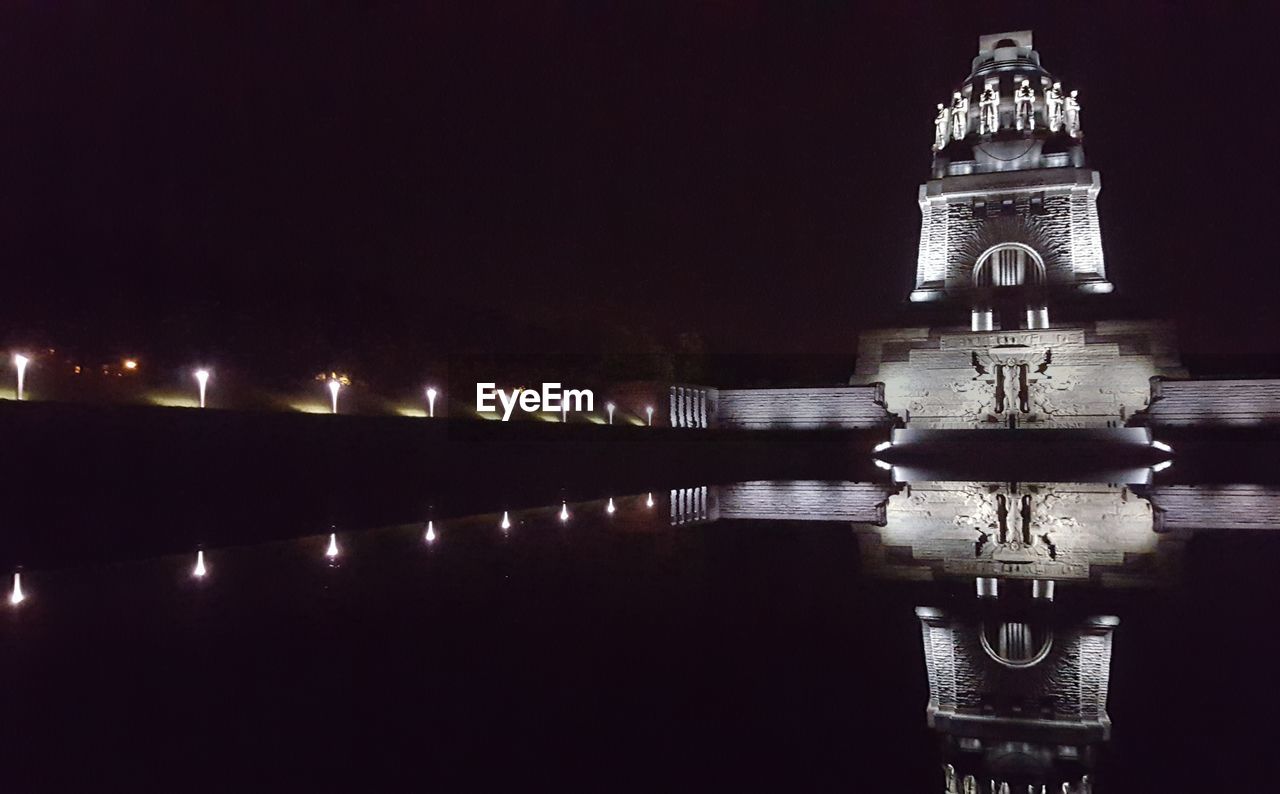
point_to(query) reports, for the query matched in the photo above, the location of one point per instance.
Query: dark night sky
(316, 177)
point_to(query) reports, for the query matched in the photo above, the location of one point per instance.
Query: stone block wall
(1239, 403)
(805, 500)
(802, 408)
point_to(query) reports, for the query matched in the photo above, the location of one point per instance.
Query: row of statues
(970, 785)
(1061, 112)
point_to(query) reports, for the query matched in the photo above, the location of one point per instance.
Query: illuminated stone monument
(1009, 226)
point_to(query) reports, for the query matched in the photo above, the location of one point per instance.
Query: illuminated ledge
(1096, 287)
(983, 726)
(1115, 455)
(925, 295)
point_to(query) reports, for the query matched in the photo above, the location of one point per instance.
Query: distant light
(431, 401)
(20, 361)
(202, 378)
(882, 446)
(334, 386)
(1162, 466)
(1163, 447)
(17, 596)
(609, 407)
(649, 502)
(649, 410)
(564, 511)
(199, 570)
(332, 551)
(130, 364)
(609, 508)
(431, 532)
(882, 464)
(506, 522)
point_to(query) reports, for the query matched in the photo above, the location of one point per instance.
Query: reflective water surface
(923, 636)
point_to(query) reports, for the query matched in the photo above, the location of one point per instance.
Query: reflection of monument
(1009, 225)
(1020, 701)
(1018, 680)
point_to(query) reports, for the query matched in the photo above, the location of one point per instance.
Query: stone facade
(1083, 376)
(1053, 211)
(805, 500)
(1065, 532)
(835, 407)
(1238, 403)
(1060, 698)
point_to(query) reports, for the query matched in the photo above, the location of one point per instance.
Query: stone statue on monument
(1024, 106)
(989, 112)
(941, 128)
(959, 116)
(1053, 107)
(1071, 113)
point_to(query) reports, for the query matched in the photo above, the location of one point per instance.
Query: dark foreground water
(647, 649)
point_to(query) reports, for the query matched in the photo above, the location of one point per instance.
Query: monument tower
(1010, 215)
(1009, 229)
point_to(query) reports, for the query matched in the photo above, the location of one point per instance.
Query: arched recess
(1008, 265)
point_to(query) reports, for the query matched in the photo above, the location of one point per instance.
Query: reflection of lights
(609, 508)
(649, 502)
(202, 378)
(882, 464)
(564, 511)
(20, 362)
(199, 571)
(609, 407)
(1163, 447)
(1162, 466)
(882, 446)
(506, 521)
(431, 532)
(334, 386)
(431, 401)
(17, 596)
(332, 551)
(649, 410)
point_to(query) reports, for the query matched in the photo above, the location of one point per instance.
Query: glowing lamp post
(431, 401)
(199, 570)
(609, 508)
(332, 551)
(16, 596)
(431, 532)
(609, 407)
(649, 501)
(649, 410)
(20, 362)
(334, 386)
(202, 380)
(564, 511)
(506, 521)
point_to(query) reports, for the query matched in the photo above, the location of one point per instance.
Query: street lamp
(334, 385)
(431, 401)
(20, 361)
(609, 407)
(202, 378)
(649, 410)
